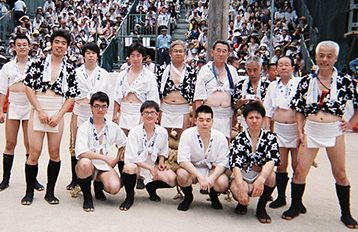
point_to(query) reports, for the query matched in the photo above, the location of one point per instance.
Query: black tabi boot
(120, 165)
(7, 165)
(153, 186)
(98, 190)
(297, 206)
(73, 183)
(214, 198)
(30, 174)
(261, 213)
(87, 196)
(188, 198)
(53, 170)
(129, 183)
(281, 182)
(38, 187)
(343, 193)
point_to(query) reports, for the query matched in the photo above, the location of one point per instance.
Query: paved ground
(320, 200)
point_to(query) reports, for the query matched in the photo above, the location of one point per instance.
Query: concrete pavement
(323, 212)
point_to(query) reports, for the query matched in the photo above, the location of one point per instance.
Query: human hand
(257, 187)
(54, 120)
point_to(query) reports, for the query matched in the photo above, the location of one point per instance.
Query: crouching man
(146, 150)
(203, 157)
(253, 155)
(94, 140)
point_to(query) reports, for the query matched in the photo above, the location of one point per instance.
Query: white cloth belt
(204, 163)
(173, 115)
(130, 115)
(83, 111)
(322, 134)
(222, 120)
(19, 106)
(286, 134)
(51, 106)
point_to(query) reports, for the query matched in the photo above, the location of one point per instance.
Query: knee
(182, 176)
(340, 176)
(222, 183)
(130, 168)
(10, 145)
(84, 167)
(113, 187)
(271, 180)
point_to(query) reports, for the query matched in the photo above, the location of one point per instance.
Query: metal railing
(6, 25)
(307, 48)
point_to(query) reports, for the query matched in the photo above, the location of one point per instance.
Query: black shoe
(279, 202)
(140, 184)
(98, 191)
(188, 198)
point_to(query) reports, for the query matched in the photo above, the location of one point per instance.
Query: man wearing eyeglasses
(215, 85)
(277, 104)
(95, 138)
(144, 156)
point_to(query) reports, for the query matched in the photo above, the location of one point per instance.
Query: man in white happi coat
(203, 157)
(91, 79)
(11, 76)
(281, 119)
(215, 85)
(95, 138)
(146, 150)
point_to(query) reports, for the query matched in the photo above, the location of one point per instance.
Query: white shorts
(51, 106)
(83, 112)
(130, 115)
(173, 115)
(286, 134)
(222, 120)
(321, 135)
(19, 106)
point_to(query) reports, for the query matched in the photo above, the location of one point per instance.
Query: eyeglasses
(97, 107)
(146, 113)
(221, 51)
(178, 51)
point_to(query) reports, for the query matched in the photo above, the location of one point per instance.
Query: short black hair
(204, 109)
(270, 65)
(254, 106)
(136, 46)
(149, 104)
(61, 33)
(99, 96)
(21, 36)
(232, 59)
(221, 42)
(90, 46)
(288, 57)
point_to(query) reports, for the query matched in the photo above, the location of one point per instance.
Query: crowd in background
(249, 30)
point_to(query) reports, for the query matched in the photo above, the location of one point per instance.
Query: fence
(6, 25)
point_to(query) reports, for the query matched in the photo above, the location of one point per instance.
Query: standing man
(176, 83)
(203, 158)
(51, 86)
(252, 88)
(320, 101)
(94, 140)
(281, 119)
(215, 85)
(163, 43)
(91, 79)
(11, 76)
(19, 10)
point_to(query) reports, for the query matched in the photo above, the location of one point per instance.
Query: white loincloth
(145, 173)
(249, 178)
(322, 134)
(51, 106)
(286, 134)
(19, 106)
(99, 165)
(129, 115)
(222, 120)
(83, 112)
(173, 115)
